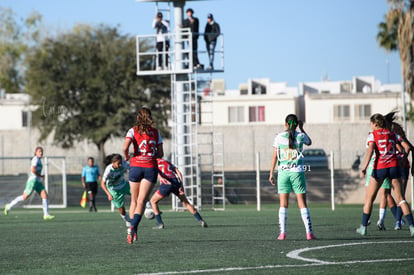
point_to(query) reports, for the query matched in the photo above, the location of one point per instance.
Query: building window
(25, 119)
(258, 88)
(256, 113)
(341, 112)
(236, 114)
(363, 111)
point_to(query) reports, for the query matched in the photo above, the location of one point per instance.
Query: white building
(263, 102)
(257, 102)
(13, 111)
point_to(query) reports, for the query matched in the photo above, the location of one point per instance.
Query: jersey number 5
(386, 148)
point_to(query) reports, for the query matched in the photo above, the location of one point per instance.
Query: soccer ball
(149, 213)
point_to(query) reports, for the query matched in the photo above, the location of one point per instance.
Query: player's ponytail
(291, 123)
(389, 120)
(108, 159)
(144, 120)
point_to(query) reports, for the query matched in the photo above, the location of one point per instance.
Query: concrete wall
(345, 140)
(241, 143)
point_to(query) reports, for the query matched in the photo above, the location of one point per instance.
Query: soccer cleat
(310, 236)
(6, 212)
(381, 226)
(282, 236)
(130, 237)
(412, 230)
(159, 226)
(203, 224)
(397, 225)
(362, 230)
(48, 217)
(135, 237)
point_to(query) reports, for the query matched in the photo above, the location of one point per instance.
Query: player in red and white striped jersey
(384, 142)
(148, 146)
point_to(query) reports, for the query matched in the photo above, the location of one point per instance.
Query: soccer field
(239, 240)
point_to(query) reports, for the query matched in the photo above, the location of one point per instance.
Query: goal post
(14, 172)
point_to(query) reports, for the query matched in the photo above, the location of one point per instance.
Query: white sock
(15, 201)
(306, 218)
(382, 213)
(282, 219)
(45, 204)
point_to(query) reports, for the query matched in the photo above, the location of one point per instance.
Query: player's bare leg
(192, 210)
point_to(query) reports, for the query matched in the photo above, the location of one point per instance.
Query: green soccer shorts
(288, 180)
(33, 185)
(119, 196)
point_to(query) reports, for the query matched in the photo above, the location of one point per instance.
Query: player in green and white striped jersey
(34, 183)
(287, 153)
(114, 184)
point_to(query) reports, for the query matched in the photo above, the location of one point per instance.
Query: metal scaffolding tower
(185, 102)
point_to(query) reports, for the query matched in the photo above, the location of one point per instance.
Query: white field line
(294, 255)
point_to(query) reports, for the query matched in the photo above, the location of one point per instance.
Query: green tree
(16, 38)
(86, 86)
(396, 33)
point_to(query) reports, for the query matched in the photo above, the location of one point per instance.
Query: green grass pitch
(239, 240)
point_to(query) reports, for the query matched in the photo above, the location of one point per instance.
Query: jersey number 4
(147, 148)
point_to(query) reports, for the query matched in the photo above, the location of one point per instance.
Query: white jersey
(36, 162)
(290, 159)
(114, 178)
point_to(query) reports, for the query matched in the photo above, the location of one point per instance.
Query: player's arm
(160, 151)
(412, 161)
(103, 185)
(83, 178)
(272, 167)
(370, 151)
(178, 173)
(300, 122)
(125, 149)
(34, 171)
(406, 147)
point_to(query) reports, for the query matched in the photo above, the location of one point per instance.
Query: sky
(285, 41)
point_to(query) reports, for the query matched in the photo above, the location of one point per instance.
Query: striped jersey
(36, 162)
(114, 178)
(166, 170)
(290, 159)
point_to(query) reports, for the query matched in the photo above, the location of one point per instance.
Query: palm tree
(396, 33)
